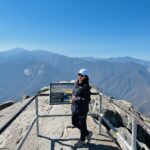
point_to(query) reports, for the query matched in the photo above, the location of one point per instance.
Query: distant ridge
(23, 72)
(121, 60)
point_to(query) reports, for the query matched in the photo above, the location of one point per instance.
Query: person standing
(80, 106)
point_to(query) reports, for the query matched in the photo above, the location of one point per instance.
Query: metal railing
(35, 120)
(10, 121)
(135, 120)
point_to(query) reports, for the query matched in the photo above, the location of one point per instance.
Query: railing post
(37, 115)
(49, 93)
(134, 134)
(100, 112)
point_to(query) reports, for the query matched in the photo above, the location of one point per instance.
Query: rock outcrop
(6, 104)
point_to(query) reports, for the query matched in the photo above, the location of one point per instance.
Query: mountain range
(24, 72)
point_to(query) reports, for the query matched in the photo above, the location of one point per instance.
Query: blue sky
(98, 28)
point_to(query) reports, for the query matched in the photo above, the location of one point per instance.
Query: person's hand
(74, 98)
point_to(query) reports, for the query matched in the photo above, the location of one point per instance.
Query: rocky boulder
(6, 104)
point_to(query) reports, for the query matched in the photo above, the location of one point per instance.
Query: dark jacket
(81, 105)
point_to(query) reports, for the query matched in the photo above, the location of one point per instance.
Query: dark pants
(80, 122)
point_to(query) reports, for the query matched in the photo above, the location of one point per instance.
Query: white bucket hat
(83, 72)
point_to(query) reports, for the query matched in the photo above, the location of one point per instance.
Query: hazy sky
(99, 28)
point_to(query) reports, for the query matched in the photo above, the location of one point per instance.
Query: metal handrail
(139, 120)
(131, 113)
(135, 120)
(35, 120)
(9, 122)
(26, 134)
(62, 115)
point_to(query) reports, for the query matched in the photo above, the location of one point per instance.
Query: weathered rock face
(55, 132)
(44, 89)
(25, 97)
(120, 119)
